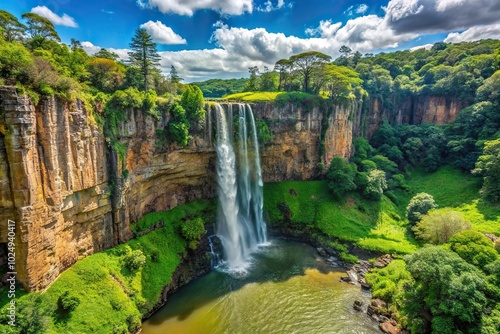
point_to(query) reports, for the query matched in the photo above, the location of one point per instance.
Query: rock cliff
(71, 195)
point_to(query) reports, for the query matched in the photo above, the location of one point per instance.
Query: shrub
(341, 175)
(497, 245)
(67, 301)
(192, 230)
(133, 260)
(438, 226)
(376, 184)
(419, 205)
(474, 248)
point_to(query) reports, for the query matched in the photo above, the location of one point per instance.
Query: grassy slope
(380, 226)
(108, 292)
(372, 225)
(452, 188)
(252, 96)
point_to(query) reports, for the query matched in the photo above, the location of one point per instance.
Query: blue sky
(221, 38)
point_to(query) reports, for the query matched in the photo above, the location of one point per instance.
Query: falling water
(240, 224)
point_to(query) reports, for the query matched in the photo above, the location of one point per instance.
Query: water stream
(240, 223)
(289, 290)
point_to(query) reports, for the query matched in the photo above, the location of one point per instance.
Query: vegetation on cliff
(110, 292)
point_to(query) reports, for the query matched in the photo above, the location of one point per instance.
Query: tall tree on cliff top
(144, 54)
(10, 28)
(40, 28)
(305, 63)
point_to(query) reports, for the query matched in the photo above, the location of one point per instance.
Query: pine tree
(144, 54)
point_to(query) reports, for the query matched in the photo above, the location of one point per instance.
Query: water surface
(289, 290)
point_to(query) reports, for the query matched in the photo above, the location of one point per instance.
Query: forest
(448, 279)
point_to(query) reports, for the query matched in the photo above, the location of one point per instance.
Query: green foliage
(68, 301)
(39, 28)
(144, 55)
(447, 292)
(438, 226)
(15, 62)
(10, 27)
(32, 315)
(133, 259)
(488, 166)
(193, 103)
(215, 88)
(192, 230)
(474, 248)
(178, 127)
(263, 132)
(390, 284)
(419, 205)
(376, 184)
(341, 176)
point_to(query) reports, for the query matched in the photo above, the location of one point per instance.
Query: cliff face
(413, 110)
(71, 195)
(54, 186)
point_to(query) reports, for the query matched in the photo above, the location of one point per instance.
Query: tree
(306, 62)
(283, 67)
(268, 80)
(103, 53)
(474, 248)
(438, 226)
(10, 28)
(252, 83)
(341, 176)
(448, 295)
(174, 77)
(419, 205)
(106, 74)
(376, 184)
(144, 54)
(40, 27)
(192, 101)
(345, 52)
(341, 82)
(488, 166)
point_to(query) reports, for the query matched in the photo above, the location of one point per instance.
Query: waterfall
(240, 223)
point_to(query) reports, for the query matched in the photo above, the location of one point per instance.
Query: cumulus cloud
(434, 16)
(474, 34)
(64, 20)
(162, 34)
(230, 7)
(418, 47)
(91, 49)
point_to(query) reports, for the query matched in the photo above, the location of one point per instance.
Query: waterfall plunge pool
(289, 289)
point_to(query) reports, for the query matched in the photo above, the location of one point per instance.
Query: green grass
(372, 225)
(110, 293)
(252, 96)
(453, 188)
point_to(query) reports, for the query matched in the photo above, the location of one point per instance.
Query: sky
(207, 39)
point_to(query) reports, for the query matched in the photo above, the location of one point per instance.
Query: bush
(133, 260)
(419, 205)
(341, 175)
(497, 245)
(67, 301)
(438, 226)
(376, 184)
(192, 230)
(474, 248)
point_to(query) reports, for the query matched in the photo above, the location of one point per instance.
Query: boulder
(387, 327)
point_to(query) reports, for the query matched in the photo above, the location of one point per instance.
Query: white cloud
(442, 5)
(418, 47)
(92, 49)
(64, 20)
(474, 34)
(269, 7)
(162, 34)
(230, 7)
(362, 8)
(359, 9)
